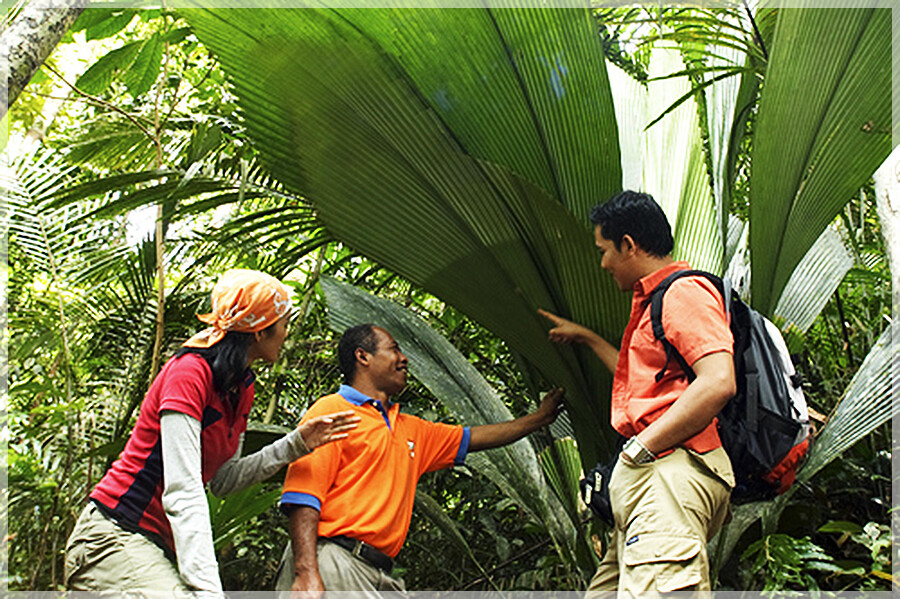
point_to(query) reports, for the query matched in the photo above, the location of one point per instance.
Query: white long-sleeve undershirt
(184, 499)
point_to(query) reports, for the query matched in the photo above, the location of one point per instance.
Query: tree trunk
(311, 280)
(887, 196)
(29, 40)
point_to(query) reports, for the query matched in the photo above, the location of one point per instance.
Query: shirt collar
(648, 283)
(357, 397)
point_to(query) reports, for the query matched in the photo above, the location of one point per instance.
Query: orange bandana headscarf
(245, 301)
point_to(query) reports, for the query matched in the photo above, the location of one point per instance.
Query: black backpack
(765, 427)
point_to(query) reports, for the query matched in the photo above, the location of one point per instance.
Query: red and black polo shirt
(131, 491)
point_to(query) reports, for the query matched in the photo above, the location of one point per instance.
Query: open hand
(565, 331)
(551, 406)
(330, 427)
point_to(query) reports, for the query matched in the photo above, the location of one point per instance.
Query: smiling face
(620, 263)
(387, 367)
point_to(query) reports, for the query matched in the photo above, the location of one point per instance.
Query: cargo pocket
(75, 560)
(662, 562)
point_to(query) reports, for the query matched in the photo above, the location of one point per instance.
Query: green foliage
(385, 117)
(250, 560)
(230, 515)
(100, 23)
(509, 549)
(858, 310)
(872, 544)
(834, 100)
(786, 563)
(101, 74)
(464, 217)
(862, 561)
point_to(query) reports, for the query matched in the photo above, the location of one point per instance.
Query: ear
(362, 356)
(629, 246)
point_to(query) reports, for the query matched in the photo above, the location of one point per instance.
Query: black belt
(363, 551)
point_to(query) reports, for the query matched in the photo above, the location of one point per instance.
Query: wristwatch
(635, 451)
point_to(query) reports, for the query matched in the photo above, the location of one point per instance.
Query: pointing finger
(550, 316)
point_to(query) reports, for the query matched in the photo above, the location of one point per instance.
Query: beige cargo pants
(104, 558)
(665, 513)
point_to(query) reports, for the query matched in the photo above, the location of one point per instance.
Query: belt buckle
(357, 549)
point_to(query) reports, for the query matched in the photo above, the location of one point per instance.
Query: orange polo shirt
(695, 323)
(364, 486)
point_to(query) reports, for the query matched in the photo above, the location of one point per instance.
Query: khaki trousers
(103, 558)
(665, 512)
(341, 571)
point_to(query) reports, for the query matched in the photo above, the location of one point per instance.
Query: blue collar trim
(353, 396)
(358, 398)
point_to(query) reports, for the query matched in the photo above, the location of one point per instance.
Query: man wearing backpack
(670, 487)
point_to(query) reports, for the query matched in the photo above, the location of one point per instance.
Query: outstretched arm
(488, 436)
(240, 472)
(566, 331)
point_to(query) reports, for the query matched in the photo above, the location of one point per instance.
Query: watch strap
(637, 453)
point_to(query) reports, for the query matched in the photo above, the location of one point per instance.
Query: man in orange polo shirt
(670, 487)
(350, 506)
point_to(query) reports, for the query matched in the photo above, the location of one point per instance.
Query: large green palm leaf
(824, 125)
(471, 182)
(460, 149)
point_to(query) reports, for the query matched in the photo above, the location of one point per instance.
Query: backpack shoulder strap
(656, 308)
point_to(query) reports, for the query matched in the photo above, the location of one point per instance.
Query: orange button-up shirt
(695, 323)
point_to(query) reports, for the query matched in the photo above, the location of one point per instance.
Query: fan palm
(463, 149)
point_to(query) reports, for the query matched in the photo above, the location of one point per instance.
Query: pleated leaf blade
(823, 127)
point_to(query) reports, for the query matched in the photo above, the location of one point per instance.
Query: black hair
(638, 215)
(228, 361)
(360, 336)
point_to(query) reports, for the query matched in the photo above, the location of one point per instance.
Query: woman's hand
(330, 427)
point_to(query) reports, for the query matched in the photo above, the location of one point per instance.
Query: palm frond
(814, 281)
(824, 125)
(398, 148)
(670, 157)
(869, 401)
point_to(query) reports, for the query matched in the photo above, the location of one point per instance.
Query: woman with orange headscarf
(146, 526)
